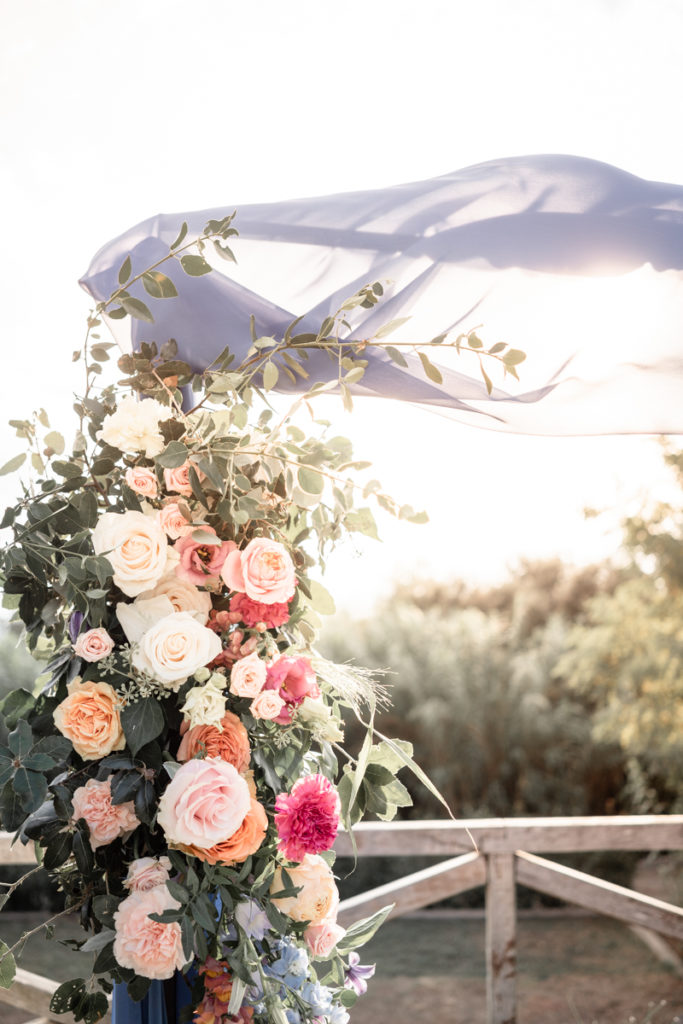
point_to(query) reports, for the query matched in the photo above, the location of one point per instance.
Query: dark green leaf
(124, 786)
(16, 706)
(142, 722)
(82, 851)
(362, 931)
(145, 801)
(31, 787)
(138, 988)
(57, 851)
(21, 739)
(104, 908)
(67, 995)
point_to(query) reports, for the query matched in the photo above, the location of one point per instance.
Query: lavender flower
(252, 918)
(356, 975)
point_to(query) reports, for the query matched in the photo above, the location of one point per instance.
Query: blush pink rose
(146, 873)
(205, 803)
(142, 480)
(264, 571)
(248, 676)
(173, 522)
(151, 949)
(106, 821)
(322, 938)
(200, 562)
(94, 645)
(268, 705)
(178, 479)
(294, 680)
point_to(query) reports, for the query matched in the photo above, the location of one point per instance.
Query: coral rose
(322, 938)
(151, 949)
(106, 821)
(294, 680)
(264, 571)
(146, 873)
(136, 547)
(245, 841)
(307, 818)
(134, 426)
(230, 745)
(142, 480)
(248, 676)
(318, 899)
(173, 522)
(174, 648)
(204, 804)
(89, 717)
(201, 562)
(94, 645)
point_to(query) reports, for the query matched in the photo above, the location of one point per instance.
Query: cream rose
(89, 717)
(318, 899)
(174, 648)
(248, 676)
(205, 803)
(137, 548)
(134, 426)
(184, 597)
(94, 645)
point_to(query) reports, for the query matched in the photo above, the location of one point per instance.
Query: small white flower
(319, 718)
(205, 705)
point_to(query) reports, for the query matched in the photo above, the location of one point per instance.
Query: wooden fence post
(501, 939)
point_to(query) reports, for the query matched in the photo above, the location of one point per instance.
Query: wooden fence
(495, 853)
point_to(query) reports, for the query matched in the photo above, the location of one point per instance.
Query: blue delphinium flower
(252, 919)
(318, 997)
(293, 1016)
(291, 967)
(339, 1015)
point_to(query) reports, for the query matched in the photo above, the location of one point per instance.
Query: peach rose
(142, 480)
(94, 645)
(322, 938)
(245, 841)
(318, 899)
(178, 479)
(173, 522)
(184, 597)
(146, 873)
(106, 821)
(263, 571)
(248, 676)
(231, 745)
(267, 704)
(174, 648)
(204, 804)
(136, 546)
(151, 949)
(89, 717)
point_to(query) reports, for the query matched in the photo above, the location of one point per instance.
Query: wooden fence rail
(496, 853)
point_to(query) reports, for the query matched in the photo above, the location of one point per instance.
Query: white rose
(184, 597)
(134, 426)
(142, 614)
(205, 705)
(174, 648)
(137, 548)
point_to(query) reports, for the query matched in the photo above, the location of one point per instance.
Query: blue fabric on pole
(578, 263)
(151, 1009)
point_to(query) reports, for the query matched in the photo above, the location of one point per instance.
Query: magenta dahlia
(307, 818)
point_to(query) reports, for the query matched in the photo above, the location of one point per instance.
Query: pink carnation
(106, 821)
(307, 818)
(294, 679)
(149, 948)
(253, 613)
(198, 561)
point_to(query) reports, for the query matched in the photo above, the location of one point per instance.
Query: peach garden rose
(90, 718)
(318, 899)
(106, 821)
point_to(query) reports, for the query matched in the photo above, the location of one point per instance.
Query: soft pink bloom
(294, 679)
(94, 645)
(264, 571)
(307, 818)
(322, 938)
(178, 479)
(205, 803)
(151, 949)
(146, 873)
(106, 821)
(268, 705)
(199, 562)
(173, 522)
(248, 676)
(256, 613)
(142, 480)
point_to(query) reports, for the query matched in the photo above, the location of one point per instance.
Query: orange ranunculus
(245, 841)
(89, 717)
(231, 745)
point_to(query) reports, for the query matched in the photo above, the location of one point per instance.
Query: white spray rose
(174, 648)
(205, 705)
(134, 426)
(137, 548)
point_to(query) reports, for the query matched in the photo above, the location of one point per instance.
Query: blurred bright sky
(113, 112)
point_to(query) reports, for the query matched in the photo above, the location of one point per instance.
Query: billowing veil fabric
(576, 262)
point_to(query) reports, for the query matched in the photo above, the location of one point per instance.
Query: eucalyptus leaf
(195, 266)
(13, 464)
(8, 967)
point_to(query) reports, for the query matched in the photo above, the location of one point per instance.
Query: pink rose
(322, 938)
(263, 571)
(146, 873)
(248, 676)
(178, 479)
(94, 645)
(151, 949)
(294, 679)
(205, 803)
(142, 481)
(106, 821)
(201, 562)
(267, 705)
(173, 522)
